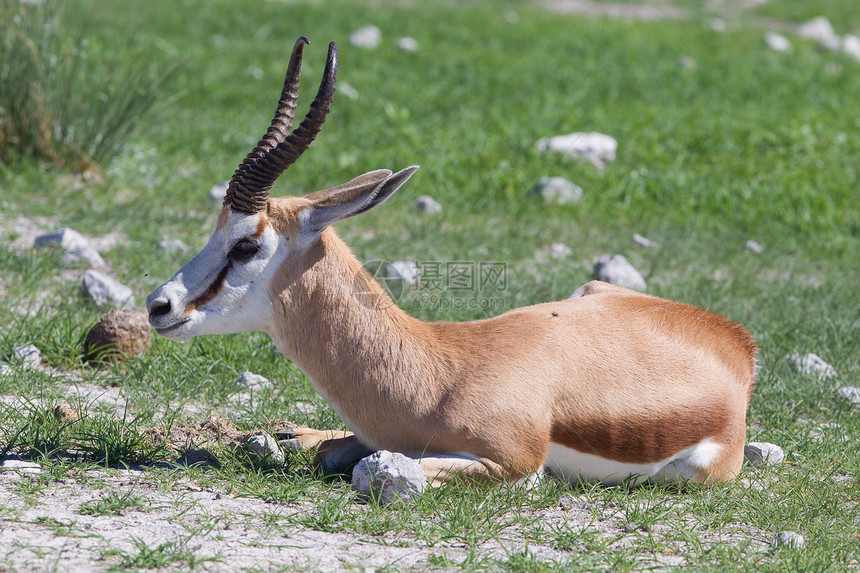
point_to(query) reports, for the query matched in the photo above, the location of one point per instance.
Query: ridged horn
(276, 151)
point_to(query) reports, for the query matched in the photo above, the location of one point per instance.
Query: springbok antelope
(607, 386)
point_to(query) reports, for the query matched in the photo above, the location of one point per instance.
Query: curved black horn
(249, 188)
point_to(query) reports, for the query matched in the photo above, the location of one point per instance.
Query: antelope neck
(344, 332)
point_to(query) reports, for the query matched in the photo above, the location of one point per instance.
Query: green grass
(748, 144)
(68, 98)
(114, 503)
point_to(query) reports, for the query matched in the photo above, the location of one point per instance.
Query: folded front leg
(336, 455)
(304, 438)
(444, 468)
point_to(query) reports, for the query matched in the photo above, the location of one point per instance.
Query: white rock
(777, 42)
(718, 25)
(217, 193)
(810, 364)
(820, 30)
(754, 247)
(427, 204)
(347, 91)
(66, 238)
(558, 250)
(85, 254)
(568, 503)
(405, 270)
(687, 62)
(558, 191)
(595, 148)
(172, 246)
(388, 476)
(407, 44)
(641, 241)
(849, 393)
(367, 37)
(747, 483)
(105, 290)
(760, 454)
(251, 380)
(851, 46)
(27, 356)
(20, 466)
(264, 447)
(788, 539)
(615, 269)
(6, 370)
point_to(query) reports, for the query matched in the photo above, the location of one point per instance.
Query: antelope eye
(243, 250)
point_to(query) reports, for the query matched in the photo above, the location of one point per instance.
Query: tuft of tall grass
(66, 98)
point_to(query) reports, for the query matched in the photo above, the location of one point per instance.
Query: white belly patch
(573, 465)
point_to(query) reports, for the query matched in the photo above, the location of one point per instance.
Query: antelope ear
(353, 198)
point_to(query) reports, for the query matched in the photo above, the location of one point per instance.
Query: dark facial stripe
(210, 293)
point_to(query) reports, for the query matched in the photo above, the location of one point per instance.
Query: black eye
(243, 250)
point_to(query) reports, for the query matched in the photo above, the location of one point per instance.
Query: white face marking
(215, 293)
(574, 465)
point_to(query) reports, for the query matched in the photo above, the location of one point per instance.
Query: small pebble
(83, 254)
(641, 241)
(105, 290)
(388, 477)
(426, 204)
(367, 37)
(558, 250)
(851, 46)
(217, 193)
(810, 364)
(777, 42)
(251, 381)
(760, 454)
(347, 91)
(264, 447)
(27, 356)
(788, 539)
(850, 394)
(687, 62)
(67, 239)
(754, 247)
(568, 503)
(405, 270)
(558, 191)
(595, 148)
(408, 44)
(617, 270)
(20, 466)
(820, 30)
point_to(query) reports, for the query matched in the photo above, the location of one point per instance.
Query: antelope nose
(158, 307)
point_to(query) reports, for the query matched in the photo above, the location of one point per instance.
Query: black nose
(159, 308)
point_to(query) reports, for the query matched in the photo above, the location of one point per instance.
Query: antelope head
(223, 289)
